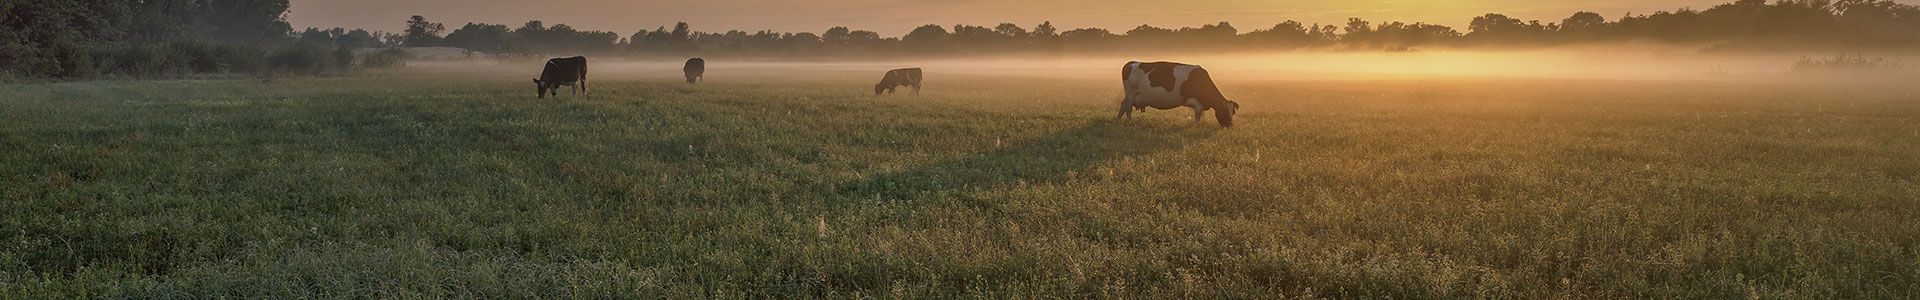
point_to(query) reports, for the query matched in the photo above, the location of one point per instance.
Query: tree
(1010, 30)
(1045, 30)
(862, 37)
(480, 37)
(659, 35)
(1493, 23)
(837, 35)
(638, 40)
(316, 37)
(1358, 26)
(1213, 32)
(1145, 31)
(803, 39)
(682, 32)
(358, 38)
(1581, 21)
(975, 36)
(421, 33)
(926, 35)
(1289, 33)
(1086, 34)
(247, 21)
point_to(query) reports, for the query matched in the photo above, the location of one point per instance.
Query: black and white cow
(696, 70)
(1169, 85)
(563, 71)
(899, 78)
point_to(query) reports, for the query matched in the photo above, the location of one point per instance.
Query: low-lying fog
(1622, 63)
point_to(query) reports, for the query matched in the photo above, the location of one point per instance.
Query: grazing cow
(563, 71)
(1167, 85)
(696, 69)
(899, 78)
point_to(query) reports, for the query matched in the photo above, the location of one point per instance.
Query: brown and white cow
(1169, 85)
(899, 78)
(567, 71)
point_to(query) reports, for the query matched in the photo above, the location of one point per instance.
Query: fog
(1612, 63)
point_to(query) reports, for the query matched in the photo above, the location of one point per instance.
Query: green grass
(801, 184)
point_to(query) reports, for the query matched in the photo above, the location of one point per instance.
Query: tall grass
(800, 184)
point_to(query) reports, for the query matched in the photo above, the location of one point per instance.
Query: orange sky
(894, 17)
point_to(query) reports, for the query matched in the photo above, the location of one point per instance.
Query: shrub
(176, 58)
(240, 58)
(389, 58)
(72, 60)
(301, 59)
(344, 59)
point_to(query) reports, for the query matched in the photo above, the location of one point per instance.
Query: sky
(896, 17)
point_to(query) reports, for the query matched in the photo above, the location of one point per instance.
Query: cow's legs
(1197, 110)
(1126, 107)
(584, 90)
(916, 88)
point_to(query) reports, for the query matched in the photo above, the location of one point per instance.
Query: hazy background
(896, 17)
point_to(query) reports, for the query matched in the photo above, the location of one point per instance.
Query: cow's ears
(536, 80)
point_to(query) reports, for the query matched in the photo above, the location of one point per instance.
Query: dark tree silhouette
(1011, 30)
(682, 31)
(421, 33)
(926, 36)
(1045, 30)
(248, 21)
(1585, 20)
(480, 37)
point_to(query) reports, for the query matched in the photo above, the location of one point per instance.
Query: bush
(389, 58)
(240, 58)
(344, 59)
(177, 58)
(302, 59)
(72, 60)
(63, 59)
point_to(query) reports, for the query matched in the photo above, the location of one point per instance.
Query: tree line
(83, 38)
(162, 38)
(1750, 25)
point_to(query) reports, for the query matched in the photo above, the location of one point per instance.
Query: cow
(899, 78)
(1169, 85)
(696, 69)
(567, 71)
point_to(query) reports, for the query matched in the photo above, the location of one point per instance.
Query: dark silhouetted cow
(1167, 85)
(563, 71)
(899, 78)
(696, 70)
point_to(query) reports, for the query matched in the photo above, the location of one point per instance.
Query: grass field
(801, 184)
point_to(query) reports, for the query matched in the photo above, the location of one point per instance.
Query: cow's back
(580, 66)
(565, 70)
(1157, 84)
(695, 66)
(908, 76)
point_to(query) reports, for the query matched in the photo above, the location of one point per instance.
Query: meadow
(799, 183)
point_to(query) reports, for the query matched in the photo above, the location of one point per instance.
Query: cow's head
(879, 88)
(540, 88)
(1225, 114)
